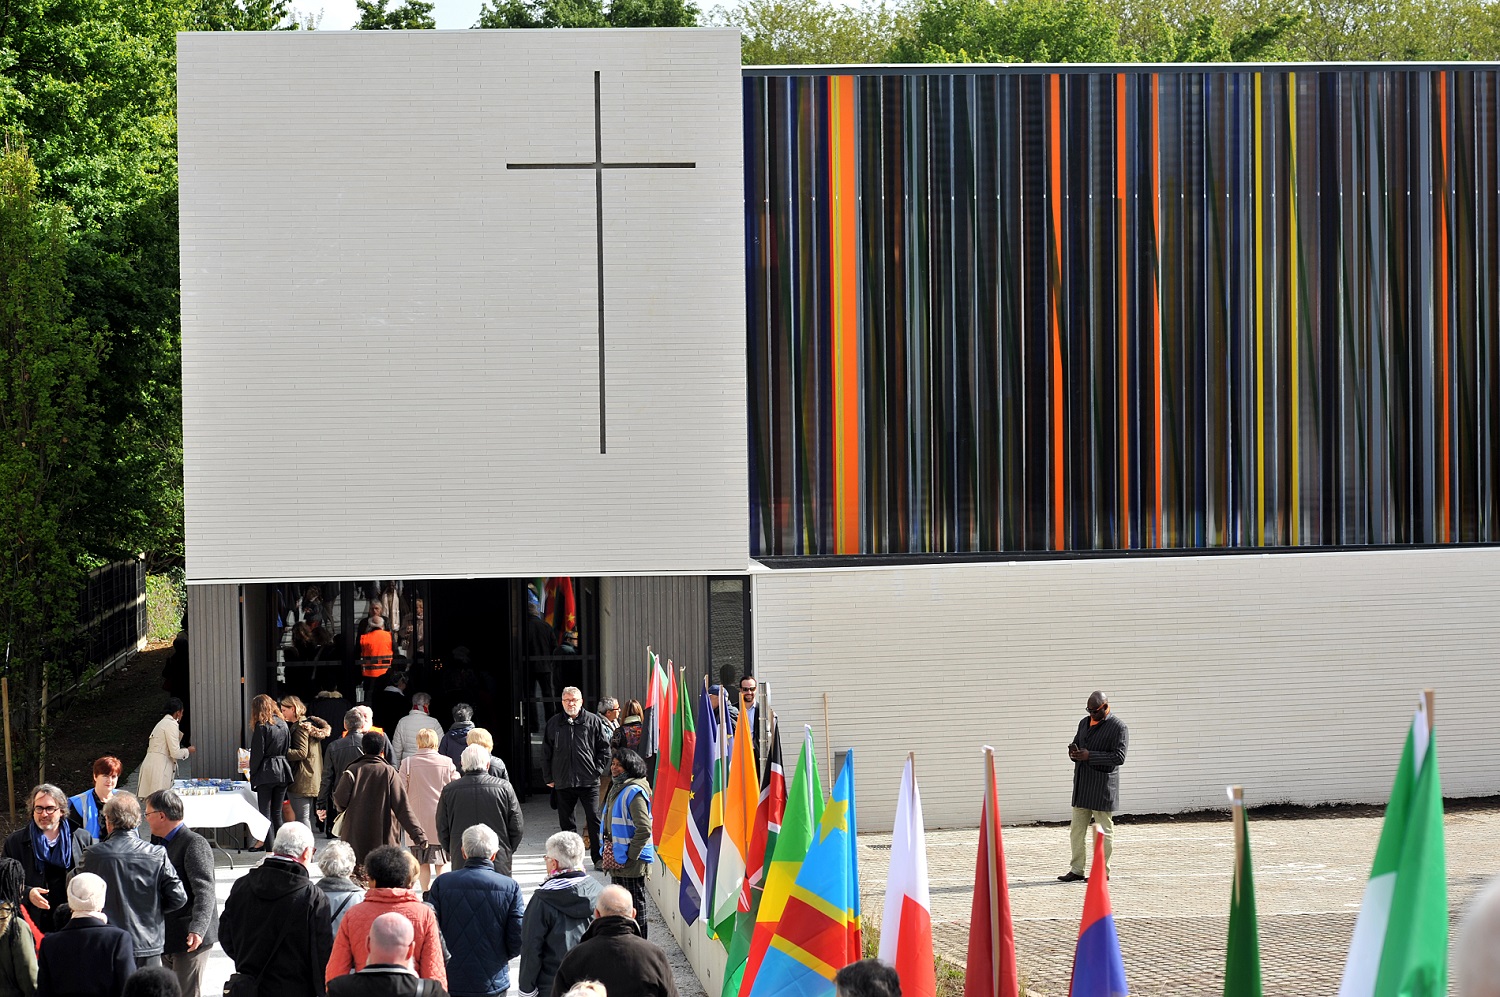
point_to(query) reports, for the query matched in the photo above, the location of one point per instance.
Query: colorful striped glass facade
(1041, 310)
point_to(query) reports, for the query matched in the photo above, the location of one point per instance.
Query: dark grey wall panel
(217, 714)
(667, 613)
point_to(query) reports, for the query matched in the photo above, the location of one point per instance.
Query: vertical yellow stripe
(1260, 335)
(835, 271)
(1295, 512)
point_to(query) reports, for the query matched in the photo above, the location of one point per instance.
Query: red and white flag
(906, 927)
(990, 969)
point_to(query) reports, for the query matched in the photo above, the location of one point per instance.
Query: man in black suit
(388, 973)
(193, 929)
(87, 956)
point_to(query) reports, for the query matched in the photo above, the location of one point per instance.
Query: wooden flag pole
(10, 775)
(1427, 695)
(828, 739)
(991, 829)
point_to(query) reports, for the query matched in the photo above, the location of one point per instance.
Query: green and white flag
(1242, 951)
(1400, 944)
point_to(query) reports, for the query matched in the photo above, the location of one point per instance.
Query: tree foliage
(406, 15)
(813, 32)
(50, 434)
(588, 14)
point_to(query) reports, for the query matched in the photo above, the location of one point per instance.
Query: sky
(340, 15)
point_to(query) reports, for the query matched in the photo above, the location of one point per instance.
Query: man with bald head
(1097, 752)
(389, 972)
(613, 952)
(1476, 954)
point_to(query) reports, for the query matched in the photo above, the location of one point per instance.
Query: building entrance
(505, 646)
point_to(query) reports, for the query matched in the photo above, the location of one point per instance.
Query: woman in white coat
(164, 751)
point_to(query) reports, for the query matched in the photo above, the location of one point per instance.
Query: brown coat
(306, 755)
(374, 803)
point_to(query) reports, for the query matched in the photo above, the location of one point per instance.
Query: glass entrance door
(556, 645)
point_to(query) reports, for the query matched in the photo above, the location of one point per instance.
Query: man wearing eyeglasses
(1097, 751)
(193, 929)
(51, 852)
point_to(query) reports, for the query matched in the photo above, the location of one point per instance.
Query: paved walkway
(1170, 891)
(528, 869)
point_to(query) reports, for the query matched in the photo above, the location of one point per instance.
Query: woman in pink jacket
(424, 775)
(392, 870)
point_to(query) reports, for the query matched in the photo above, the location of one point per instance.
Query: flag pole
(1430, 699)
(1237, 816)
(828, 737)
(991, 825)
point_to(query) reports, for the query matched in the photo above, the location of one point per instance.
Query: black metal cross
(599, 166)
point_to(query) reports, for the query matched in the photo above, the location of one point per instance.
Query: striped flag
(701, 794)
(731, 891)
(768, 816)
(819, 931)
(1098, 968)
(1400, 944)
(906, 928)
(716, 832)
(672, 779)
(990, 969)
(1242, 952)
(804, 811)
(656, 685)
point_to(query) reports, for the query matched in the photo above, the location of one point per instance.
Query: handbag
(338, 824)
(607, 862)
(248, 984)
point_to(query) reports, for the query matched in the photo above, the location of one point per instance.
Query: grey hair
(58, 797)
(608, 703)
(122, 810)
(293, 840)
(336, 859)
(353, 720)
(421, 699)
(573, 689)
(566, 849)
(480, 842)
(475, 758)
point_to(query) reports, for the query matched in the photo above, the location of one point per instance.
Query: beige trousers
(1078, 836)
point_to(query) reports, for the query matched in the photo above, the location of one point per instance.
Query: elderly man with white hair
(575, 750)
(275, 922)
(1476, 954)
(477, 797)
(389, 972)
(558, 914)
(613, 952)
(479, 911)
(404, 739)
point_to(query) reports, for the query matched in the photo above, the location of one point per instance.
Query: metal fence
(113, 614)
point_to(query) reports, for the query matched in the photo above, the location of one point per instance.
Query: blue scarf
(63, 850)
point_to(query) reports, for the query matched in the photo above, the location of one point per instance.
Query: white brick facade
(390, 339)
(1294, 675)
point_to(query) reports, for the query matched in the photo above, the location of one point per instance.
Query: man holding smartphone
(1097, 752)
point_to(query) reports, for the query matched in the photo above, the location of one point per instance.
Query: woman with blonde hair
(163, 751)
(270, 771)
(425, 774)
(305, 756)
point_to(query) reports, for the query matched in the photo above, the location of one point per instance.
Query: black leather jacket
(141, 886)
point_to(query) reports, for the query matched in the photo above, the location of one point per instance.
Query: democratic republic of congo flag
(769, 812)
(693, 887)
(819, 931)
(672, 782)
(1098, 968)
(804, 811)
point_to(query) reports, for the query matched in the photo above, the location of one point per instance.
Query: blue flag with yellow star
(819, 930)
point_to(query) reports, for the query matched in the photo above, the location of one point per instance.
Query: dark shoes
(1071, 877)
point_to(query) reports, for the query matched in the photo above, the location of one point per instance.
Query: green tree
(252, 15)
(49, 439)
(406, 15)
(587, 14)
(812, 32)
(1014, 31)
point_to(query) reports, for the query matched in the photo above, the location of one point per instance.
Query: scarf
(63, 849)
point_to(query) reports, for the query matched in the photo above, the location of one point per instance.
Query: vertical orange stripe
(1124, 309)
(1447, 411)
(1156, 282)
(842, 225)
(1054, 128)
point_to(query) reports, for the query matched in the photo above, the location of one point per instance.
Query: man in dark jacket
(388, 971)
(87, 955)
(142, 884)
(1097, 752)
(575, 749)
(50, 850)
(476, 797)
(338, 755)
(613, 952)
(558, 914)
(479, 911)
(457, 738)
(275, 924)
(191, 931)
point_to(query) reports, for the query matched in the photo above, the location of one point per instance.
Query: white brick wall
(389, 339)
(1294, 675)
